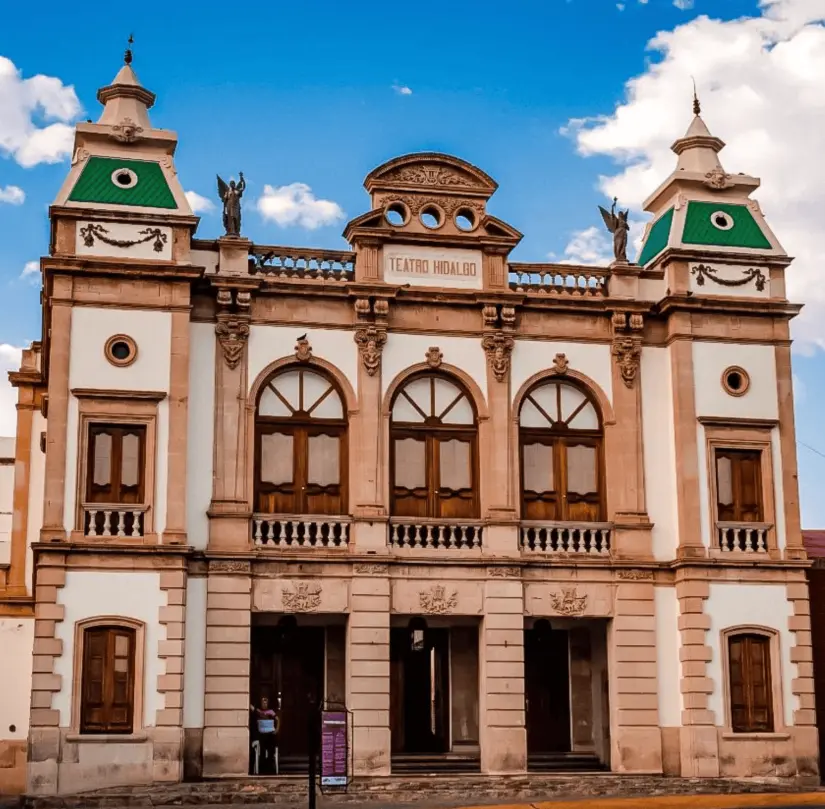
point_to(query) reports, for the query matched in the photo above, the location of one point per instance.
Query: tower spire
(697, 107)
(125, 98)
(127, 57)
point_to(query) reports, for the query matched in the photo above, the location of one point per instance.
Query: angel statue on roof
(618, 225)
(231, 197)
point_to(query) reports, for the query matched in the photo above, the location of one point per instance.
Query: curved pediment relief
(431, 172)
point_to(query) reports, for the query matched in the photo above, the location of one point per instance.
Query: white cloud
(590, 246)
(31, 272)
(683, 4)
(10, 357)
(197, 203)
(295, 204)
(762, 85)
(12, 194)
(27, 106)
(402, 89)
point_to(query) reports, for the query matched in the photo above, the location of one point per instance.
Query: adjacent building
(511, 516)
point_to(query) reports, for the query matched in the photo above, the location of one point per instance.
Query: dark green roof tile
(95, 184)
(699, 227)
(657, 239)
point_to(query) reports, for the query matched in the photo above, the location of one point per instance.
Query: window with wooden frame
(433, 450)
(300, 445)
(751, 693)
(561, 455)
(107, 698)
(116, 471)
(739, 485)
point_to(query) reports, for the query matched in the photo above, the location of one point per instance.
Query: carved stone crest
(372, 569)
(561, 364)
(303, 597)
(504, 572)
(232, 335)
(428, 176)
(568, 602)
(303, 350)
(229, 566)
(434, 357)
(628, 353)
(436, 600)
(635, 575)
(718, 179)
(371, 342)
(498, 347)
(127, 131)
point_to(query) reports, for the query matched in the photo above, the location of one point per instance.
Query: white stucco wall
(91, 594)
(88, 368)
(533, 356)
(194, 669)
(16, 641)
(336, 346)
(667, 657)
(736, 604)
(405, 350)
(659, 449)
(200, 443)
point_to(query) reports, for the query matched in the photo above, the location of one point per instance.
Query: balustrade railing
(746, 537)
(559, 279)
(290, 531)
(104, 520)
(589, 539)
(303, 263)
(435, 535)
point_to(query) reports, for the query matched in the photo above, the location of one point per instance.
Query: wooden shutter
(108, 680)
(750, 684)
(739, 485)
(116, 464)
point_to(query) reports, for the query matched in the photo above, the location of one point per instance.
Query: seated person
(267, 724)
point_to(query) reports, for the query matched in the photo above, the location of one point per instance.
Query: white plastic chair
(256, 746)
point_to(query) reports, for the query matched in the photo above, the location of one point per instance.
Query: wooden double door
(420, 691)
(547, 690)
(288, 668)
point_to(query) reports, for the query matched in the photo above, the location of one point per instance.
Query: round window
(124, 178)
(431, 217)
(735, 381)
(397, 214)
(465, 219)
(121, 350)
(721, 220)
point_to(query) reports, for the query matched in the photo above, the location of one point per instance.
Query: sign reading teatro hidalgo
(432, 267)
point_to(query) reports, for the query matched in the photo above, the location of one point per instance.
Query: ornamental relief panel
(123, 240)
(568, 600)
(427, 597)
(729, 280)
(300, 595)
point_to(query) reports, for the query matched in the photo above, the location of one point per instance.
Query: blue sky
(309, 92)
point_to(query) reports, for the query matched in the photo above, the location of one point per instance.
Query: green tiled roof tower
(115, 181)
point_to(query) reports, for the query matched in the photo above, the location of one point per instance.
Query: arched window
(107, 701)
(751, 697)
(561, 455)
(300, 445)
(433, 455)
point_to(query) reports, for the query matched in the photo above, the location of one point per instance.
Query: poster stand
(336, 747)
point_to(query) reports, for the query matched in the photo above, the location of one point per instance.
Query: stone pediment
(432, 173)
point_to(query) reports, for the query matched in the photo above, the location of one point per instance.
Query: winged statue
(618, 225)
(230, 196)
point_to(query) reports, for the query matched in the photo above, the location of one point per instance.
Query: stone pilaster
(503, 733)
(699, 739)
(805, 735)
(634, 695)
(368, 669)
(228, 648)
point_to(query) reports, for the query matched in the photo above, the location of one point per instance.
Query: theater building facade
(514, 517)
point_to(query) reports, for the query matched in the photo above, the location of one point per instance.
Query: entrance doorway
(547, 689)
(419, 689)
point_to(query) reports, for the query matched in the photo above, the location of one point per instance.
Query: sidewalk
(742, 801)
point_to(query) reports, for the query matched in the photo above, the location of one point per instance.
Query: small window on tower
(721, 220)
(124, 178)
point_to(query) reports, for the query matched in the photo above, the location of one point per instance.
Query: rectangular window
(749, 658)
(116, 464)
(108, 680)
(739, 485)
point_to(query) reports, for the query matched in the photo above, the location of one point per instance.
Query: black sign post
(313, 750)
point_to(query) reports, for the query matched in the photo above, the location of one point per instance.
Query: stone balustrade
(559, 279)
(748, 537)
(103, 520)
(291, 531)
(587, 538)
(435, 534)
(302, 263)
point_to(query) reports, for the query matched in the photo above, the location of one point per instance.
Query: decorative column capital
(498, 347)
(627, 344)
(232, 328)
(371, 341)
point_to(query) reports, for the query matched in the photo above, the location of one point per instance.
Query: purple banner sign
(334, 748)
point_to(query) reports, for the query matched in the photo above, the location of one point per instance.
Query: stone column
(368, 669)
(229, 512)
(632, 536)
(503, 732)
(634, 699)
(228, 652)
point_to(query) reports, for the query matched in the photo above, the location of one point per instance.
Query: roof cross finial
(127, 57)
(697, 107)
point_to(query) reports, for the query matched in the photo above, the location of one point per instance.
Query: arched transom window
(301, 448)
(434, 453)
(561, 454)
